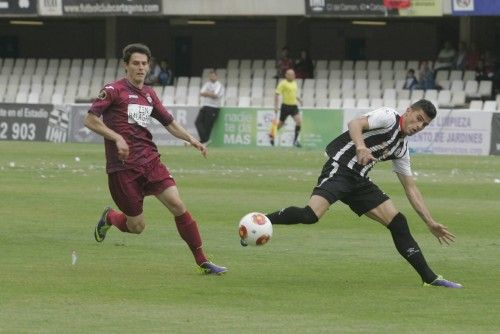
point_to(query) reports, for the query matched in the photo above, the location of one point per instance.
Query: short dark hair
(135, 48)
(426, 106)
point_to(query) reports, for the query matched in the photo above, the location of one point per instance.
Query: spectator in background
(411, 81)
(212, 93)
(284, 63)
(426, 78)
(445, 57)
(304, 67)
(154, 72)
(460, 61)
(165, 76)
(473, 57)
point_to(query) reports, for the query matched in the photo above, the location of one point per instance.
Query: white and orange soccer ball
(255, 229)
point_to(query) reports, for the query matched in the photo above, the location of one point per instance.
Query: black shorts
(341, 183)
(288, 110)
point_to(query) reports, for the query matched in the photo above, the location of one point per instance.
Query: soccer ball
(255, 229)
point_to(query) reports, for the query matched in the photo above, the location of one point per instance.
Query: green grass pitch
(342, 275)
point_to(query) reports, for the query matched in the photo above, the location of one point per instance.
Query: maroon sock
(119, 219)
(188, 230)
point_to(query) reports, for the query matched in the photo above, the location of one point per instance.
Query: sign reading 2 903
(17, 131)
(33, 122)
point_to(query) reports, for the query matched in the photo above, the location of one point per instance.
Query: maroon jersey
(126, 110)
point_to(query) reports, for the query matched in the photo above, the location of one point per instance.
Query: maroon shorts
(129, 187)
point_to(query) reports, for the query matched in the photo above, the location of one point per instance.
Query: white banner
(185, 116)
(50, 7)
(461, 132)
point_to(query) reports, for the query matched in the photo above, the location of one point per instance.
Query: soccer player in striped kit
(379, 135)
(121, 114)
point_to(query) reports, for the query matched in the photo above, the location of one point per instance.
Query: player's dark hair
(426, 106)
(135, 48)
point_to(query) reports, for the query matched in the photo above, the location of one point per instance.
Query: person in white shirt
(445, 57)
(211, 93)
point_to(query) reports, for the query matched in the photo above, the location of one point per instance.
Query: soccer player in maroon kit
(132, 160)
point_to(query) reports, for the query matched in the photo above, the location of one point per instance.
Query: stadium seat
(374, 93)
(335, 74)
(476, 105)
(270, 64)
(259, 73)
(347, 74)
(21, 97)
(376, 103)
(431, 94)
(335, 103)
(469, 75)
(374, 74)
(363, 103)
(258, 64)
(389, 94)
(321, 64)
(193, 100)
(349, 103)
(485, 88)
(386, 65)
(388, 84)
(347, 65)
(400, 75)
(490, 105)
(403, 94)
(360, 74)
(373, 65)
(391, 103)
(361, 93)
(308, 101)
(455, 75)
(442, 75)
(445, 84)
(34, 97)
(244, 101)
(386, 75)
(245, 64)
(57, 98)
(233, 64)
(412, 64)
(458, 99)
(334, 93)
(457, 86)
(444, 98)
(334, 64)
(360, 65)
(322, 74)
(403, 104)
(399, 65)
(417, 94)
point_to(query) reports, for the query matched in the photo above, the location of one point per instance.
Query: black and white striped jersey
(384, 139)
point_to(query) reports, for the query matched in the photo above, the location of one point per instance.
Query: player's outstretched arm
(179, 132)
(356, 127)
(96, 124)
(417, 202)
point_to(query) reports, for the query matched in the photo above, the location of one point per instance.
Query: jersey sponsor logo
(131, 96)
(138, 114)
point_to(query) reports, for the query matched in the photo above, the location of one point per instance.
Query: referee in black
(379, 135)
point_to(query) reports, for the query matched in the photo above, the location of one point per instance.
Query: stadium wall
(457, 132)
